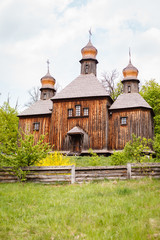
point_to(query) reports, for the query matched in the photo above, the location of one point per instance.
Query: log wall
(139, 122)
(95, 125)
(26, 124)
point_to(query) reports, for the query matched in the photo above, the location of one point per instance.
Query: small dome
(48, 80)
(89, 51)
(130, 72)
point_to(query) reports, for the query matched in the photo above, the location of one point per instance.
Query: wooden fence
(82, 174)
(41, 174)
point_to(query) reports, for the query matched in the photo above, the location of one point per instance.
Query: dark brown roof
(86, 85)
(40, 107)
(129, 100)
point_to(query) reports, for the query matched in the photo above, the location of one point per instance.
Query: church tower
(48, 86)
(130, 113)
(130, 81)
(89, 61)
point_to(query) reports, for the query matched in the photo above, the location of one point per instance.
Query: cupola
(130, 80)
(48, 85)
(89, 61)
(89, 51)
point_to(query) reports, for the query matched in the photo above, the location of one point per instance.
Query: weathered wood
(95, 125)
(139, 122)
(129, 171)
(26, 123)
(71, 174)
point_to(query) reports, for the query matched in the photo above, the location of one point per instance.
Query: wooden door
(76, 143)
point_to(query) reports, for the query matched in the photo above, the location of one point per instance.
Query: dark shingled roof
(86, 85)
(129, 100)
(38, 108)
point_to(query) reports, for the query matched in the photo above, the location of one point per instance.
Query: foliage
(24, 152)
(134, 151)
(156, 146)
(8, 126)
(151, 93)
(118, 158)
(117, 91)
(94, 159)
(105, 210)
(55, 159)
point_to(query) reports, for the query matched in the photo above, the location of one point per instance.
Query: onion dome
(89, 51)
(48, 81)
(130, 72)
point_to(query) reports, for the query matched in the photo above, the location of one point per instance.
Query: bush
(156, 146)
(135, 149)
(118, 158)
(55, 159)
(23, 153)
(94, 160)
(133, 152)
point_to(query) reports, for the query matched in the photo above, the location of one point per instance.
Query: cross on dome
(90, 34)
(48, 62)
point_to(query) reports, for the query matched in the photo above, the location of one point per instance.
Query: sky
(32, 31)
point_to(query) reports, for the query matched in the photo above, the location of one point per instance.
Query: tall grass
(118, 210)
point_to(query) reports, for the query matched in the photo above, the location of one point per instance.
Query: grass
(117, 210)
(85, 161)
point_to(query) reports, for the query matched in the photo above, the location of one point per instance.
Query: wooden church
(84, 116)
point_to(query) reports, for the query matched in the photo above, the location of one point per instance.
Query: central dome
(89, 51)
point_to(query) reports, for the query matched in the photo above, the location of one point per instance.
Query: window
(85, 111)
(36, 126)
(129, 89)
(44, 96)
(123, 120)
(70, 112)
(78, 110)
(86, 68)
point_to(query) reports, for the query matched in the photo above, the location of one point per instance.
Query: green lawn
(117, 210)
(85, 161)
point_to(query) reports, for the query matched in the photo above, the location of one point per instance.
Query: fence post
(129, 176)
(73, 179)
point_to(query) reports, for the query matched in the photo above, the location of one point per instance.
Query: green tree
(150, 91)
(23, 153)
(8, 126)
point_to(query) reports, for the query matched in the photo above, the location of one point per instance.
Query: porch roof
(75, 131)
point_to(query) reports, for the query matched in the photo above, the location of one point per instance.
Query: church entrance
(76, 136)
(76, 143)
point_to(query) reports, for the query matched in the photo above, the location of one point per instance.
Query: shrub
(55, 159)
(94, 159)
(24, 152)
(118, 158)
(156, 146)
(133, 151)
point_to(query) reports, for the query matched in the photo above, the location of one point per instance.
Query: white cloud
(33, 31)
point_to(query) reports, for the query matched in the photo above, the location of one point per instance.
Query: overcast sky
(32, 31)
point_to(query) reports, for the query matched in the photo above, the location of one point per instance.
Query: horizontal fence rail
(70, 174)
(50, 174)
